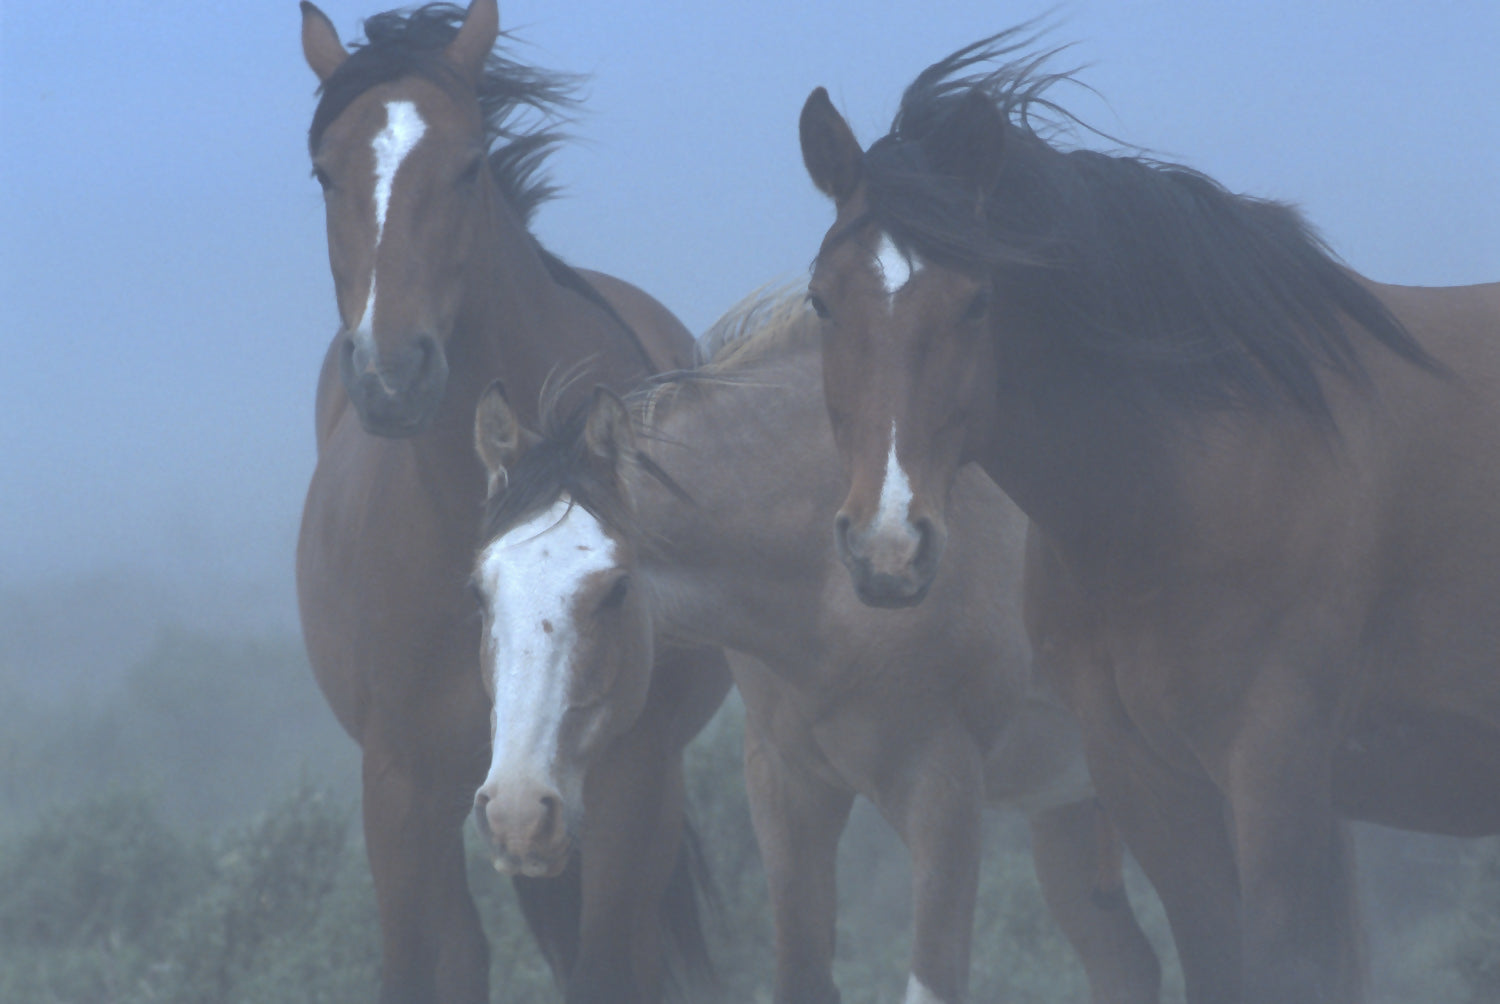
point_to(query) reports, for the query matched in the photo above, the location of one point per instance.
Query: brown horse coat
(1265, 565)
(441, 289)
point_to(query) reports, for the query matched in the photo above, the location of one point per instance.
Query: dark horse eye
(819, 307)
(321, 176)
(616, 594)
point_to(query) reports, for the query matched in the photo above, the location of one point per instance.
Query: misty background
(165, 299)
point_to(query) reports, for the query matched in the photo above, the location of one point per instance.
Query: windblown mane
(769, 320)
(399, 43)
(559, 464)
(1141, 270)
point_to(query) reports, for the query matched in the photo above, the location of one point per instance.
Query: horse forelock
(1150, 272)
(407, 43)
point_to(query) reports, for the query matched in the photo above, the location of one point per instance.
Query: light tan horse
(441, 288)
(703, 519)
(1265, 496)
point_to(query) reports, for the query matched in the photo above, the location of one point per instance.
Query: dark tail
(690, 968)
(553, 909)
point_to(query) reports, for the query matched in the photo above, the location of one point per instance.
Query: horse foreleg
(798, 821)
(432, 945)
(1174, 825)
(634, 794)
(937, 804)
(1303, 942)
(1121, 965)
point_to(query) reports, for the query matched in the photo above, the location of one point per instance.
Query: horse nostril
(481, 816)
(550, 825)
(929, 545)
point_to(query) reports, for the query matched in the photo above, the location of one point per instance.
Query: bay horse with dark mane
(441, 288)
(1264, 570)
(696, 512)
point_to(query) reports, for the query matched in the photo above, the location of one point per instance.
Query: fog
(164, 291)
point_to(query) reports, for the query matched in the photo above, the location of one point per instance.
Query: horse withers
(429, 183)
(1265, 567)
(697, 514)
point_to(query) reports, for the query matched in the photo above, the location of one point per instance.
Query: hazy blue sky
(164, 290)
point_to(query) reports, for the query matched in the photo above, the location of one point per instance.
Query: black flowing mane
(399, 43)
(560, 464)
(1141, 270)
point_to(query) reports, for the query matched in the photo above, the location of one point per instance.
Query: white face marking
(532, 575)
(916, 993)
(896, 270)
(403, 129)
(893, 514)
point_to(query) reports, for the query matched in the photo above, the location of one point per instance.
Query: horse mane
(402, 42)
(559, 463)
(1140, 270)
(770, 320)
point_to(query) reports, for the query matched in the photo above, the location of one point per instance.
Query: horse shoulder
(666, 340)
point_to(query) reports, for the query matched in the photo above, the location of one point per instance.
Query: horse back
(667, 343)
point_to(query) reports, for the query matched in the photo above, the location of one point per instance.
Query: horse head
(399, 147)
(567, 643)
(906, 358)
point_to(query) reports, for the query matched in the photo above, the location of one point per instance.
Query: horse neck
(735, 564)
(516, 323)
(1096, 473)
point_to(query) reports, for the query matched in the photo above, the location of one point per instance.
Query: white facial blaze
(896, 269)
(532, 575)
(403, 129)
(893, 514)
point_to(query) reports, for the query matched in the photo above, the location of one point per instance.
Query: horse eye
(978, 306)
(322, 178)
(480, 600)
(616, 594)
(819, 307)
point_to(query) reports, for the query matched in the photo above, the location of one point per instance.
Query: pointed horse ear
(608, 432)
(498, 437)
(476, 37)
(970, 144)
(829, 149)
(320, 42)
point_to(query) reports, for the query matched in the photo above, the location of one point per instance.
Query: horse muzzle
(526, 831)
(396, 394)
(890, 569)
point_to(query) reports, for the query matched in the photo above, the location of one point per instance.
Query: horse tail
(690, 887)
(553, 908)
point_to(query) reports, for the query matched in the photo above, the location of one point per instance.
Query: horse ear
(498, 437)
(829, 149)
(971, 143)
(476, 37)
(320, 42)
(608, 432)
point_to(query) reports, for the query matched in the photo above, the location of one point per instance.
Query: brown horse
(1265, 566)
(928, 712)
(441, 288)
